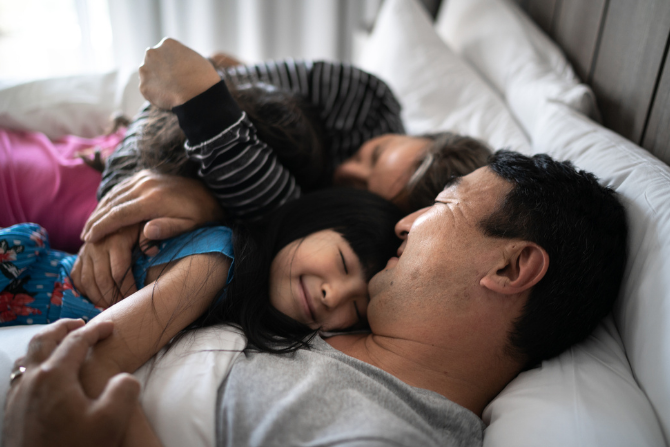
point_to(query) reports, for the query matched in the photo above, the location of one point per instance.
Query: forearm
(242, 171)
(145, 321)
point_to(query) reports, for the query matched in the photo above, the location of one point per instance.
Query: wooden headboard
(619, 48)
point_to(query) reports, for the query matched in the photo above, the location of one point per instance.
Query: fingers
(114, 409)
(71, 352)
(104, 281)
(118, 216)
(120, 260)
(118, 401)
(167, 227)
(103, 269)
(127, 190)
(87, 285)
(43, 344)
(107, 202)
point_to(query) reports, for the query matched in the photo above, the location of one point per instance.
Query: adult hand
(46, 405)
(172, 73)
(102, 271)
(172, 205)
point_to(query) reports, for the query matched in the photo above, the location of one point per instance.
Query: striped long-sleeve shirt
(243, 173)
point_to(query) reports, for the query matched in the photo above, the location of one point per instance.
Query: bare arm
(145, 321)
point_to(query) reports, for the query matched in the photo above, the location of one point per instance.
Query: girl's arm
(145, 321)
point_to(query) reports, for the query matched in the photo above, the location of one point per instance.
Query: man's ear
(524, 265)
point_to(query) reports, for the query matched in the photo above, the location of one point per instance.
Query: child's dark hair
(285, 121)
(365, 220)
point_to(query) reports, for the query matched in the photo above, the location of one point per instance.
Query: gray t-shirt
(322, 397)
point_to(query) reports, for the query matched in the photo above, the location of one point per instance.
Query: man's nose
(403, 226)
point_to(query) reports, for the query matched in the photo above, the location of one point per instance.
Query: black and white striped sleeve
(355, 106)
(242, 172)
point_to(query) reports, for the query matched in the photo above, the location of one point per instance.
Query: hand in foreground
(102, 271)
(172, 73)
(46, 405)
(172, 205)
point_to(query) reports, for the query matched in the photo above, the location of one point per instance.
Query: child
(350, 232)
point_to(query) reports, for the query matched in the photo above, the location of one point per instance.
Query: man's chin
(377, 283)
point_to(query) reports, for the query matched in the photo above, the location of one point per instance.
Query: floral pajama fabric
(35, 284)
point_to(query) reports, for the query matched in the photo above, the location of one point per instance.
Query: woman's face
(383, 165)
(319, 281)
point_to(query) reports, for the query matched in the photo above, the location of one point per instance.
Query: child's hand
(172, 73)
(103, 272)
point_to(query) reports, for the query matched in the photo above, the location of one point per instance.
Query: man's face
(383, 165)
(444, 253)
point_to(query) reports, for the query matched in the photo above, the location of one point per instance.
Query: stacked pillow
(437, 89)
(613, 389)
(515, 56)
(73, 105)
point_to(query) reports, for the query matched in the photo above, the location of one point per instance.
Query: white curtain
(251, 30)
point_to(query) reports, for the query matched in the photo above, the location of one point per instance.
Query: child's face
(383, 165)
(319, 281)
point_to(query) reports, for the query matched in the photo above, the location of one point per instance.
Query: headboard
(619, 48)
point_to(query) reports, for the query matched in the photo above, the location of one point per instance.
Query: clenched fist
(172, 73)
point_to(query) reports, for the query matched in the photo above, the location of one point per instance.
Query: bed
(486, 69)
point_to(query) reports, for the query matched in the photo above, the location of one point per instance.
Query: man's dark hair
(583, 228)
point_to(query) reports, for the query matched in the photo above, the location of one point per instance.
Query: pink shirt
(46, 183)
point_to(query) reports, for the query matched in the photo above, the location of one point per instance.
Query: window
(46, 38)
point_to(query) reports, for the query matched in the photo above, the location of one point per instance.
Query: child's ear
(524, 265)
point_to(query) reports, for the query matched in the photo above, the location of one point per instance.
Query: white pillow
(437, 89)
(179, 390)
(514, 55)
(586, 396)
(74, 105)
(642, 313)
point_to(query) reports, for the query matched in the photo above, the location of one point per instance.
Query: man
(511, 265)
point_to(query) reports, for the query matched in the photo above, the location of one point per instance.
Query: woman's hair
(365, 221)
(283, 120)
(448, 156)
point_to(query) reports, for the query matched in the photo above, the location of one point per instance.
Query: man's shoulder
(322, 392)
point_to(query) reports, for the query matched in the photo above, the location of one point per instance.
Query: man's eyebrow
(376, 153)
